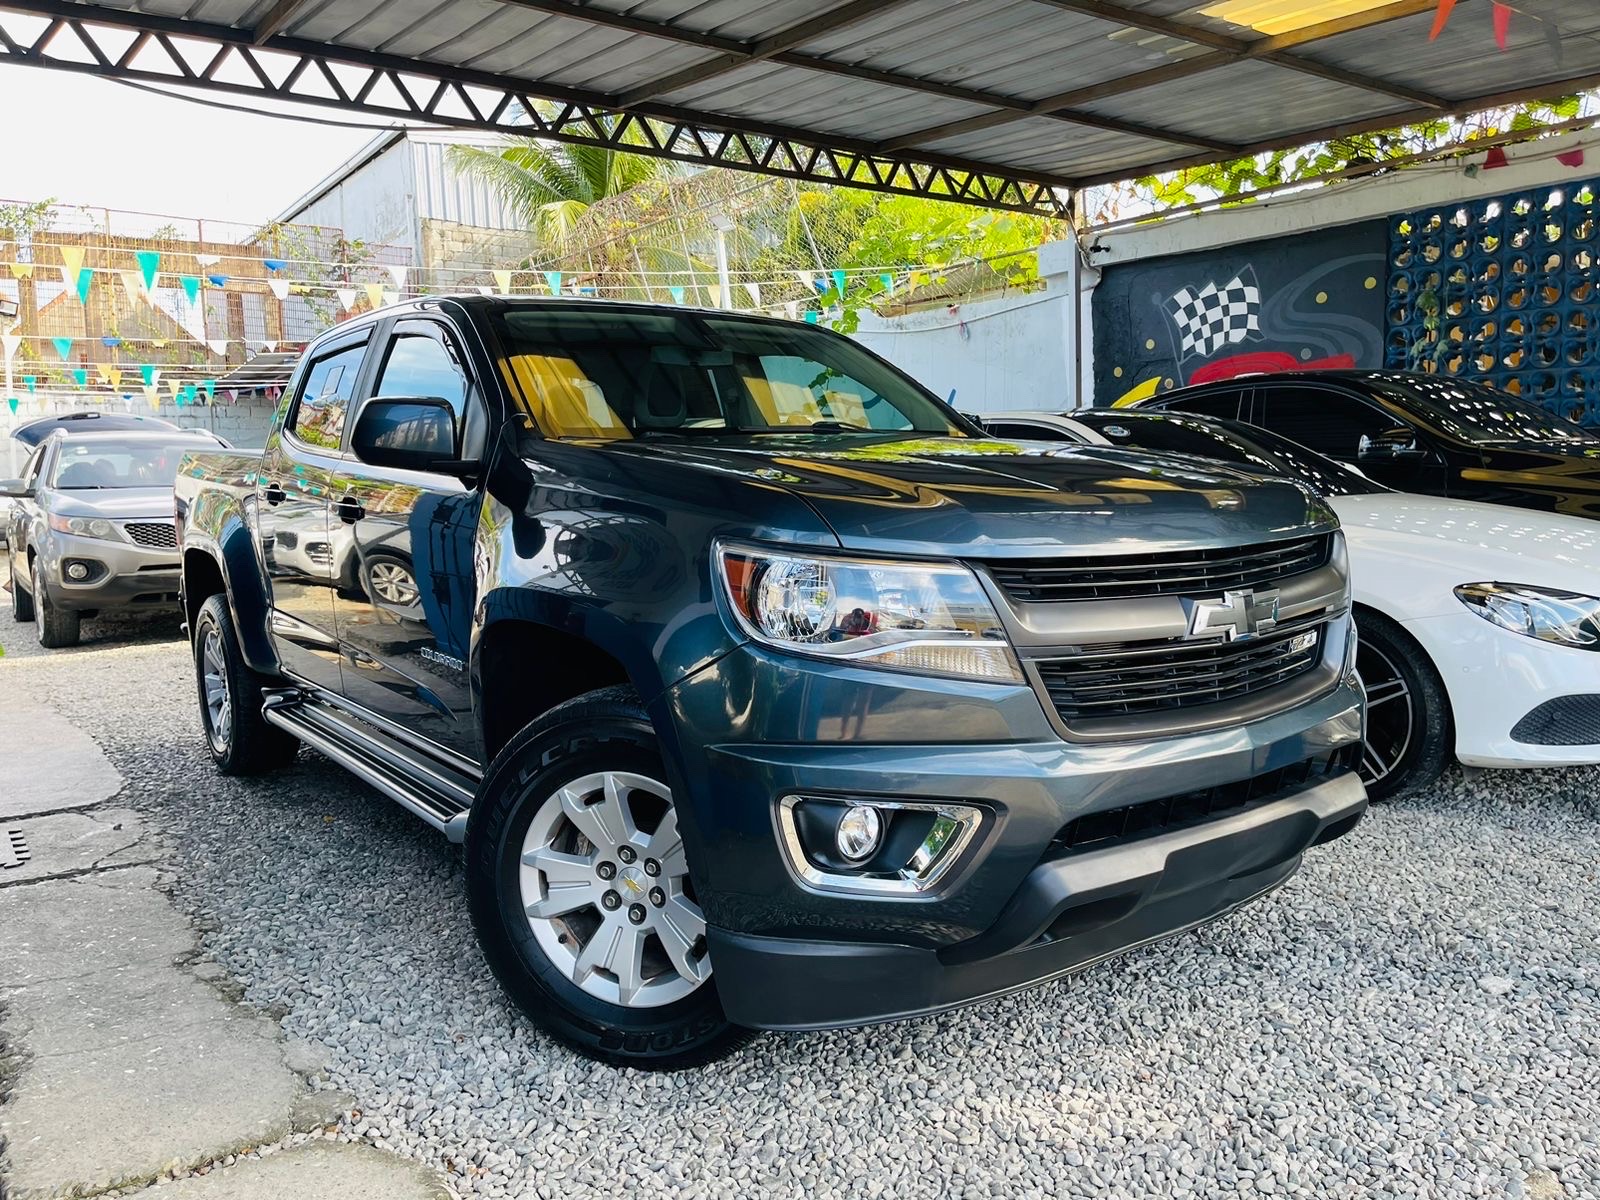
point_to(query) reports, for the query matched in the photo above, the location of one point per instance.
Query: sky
(83, 140)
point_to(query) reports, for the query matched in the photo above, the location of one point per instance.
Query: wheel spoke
(666, 846)
(1371, 763)
(1389, 689)
(560, 868)
(562, 898)
(616, 948)
(679, 926)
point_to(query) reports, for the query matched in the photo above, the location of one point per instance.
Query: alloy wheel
(38, 602)
(606, 889)
(1391, 714)
(214, 678)
(393, 584)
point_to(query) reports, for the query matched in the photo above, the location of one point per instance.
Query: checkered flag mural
(1214, 317)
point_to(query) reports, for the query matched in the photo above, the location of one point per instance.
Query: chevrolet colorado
(763, 690)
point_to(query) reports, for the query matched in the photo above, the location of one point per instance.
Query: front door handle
(273, 494)
(349, 510)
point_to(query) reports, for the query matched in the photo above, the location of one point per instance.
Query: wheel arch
(229, 567)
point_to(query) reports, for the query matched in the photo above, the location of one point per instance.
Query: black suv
(1417, 433)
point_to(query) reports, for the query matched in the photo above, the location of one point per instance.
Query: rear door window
(324, 403)
(1223, 402)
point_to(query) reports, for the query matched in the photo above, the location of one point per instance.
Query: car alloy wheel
(1391, 714)
(609, 903)
(214, 678)
(392, 583)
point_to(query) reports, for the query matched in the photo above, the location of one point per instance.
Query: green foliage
(20, 221)
(551, 185)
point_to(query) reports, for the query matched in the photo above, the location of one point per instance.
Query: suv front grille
(1138, 678)
(1177, 573)
(152, 533)
(1117, 826)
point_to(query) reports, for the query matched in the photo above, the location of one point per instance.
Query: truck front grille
(1138, 678)
(1117, 826)
(1178, 573)
(152, 533)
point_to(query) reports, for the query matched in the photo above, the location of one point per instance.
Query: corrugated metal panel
(444, 194)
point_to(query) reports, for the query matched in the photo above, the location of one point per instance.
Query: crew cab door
(304, 557)
(406, 617)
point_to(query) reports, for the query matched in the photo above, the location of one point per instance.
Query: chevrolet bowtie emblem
(1242, 614)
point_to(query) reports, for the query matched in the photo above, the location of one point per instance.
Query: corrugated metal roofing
(1008, 102)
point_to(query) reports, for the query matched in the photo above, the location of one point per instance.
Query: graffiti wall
(1312, 300)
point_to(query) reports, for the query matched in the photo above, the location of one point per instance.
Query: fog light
(77, 570)
(858, 833)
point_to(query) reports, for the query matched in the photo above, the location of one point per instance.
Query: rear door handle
(349, 510)
(273, 494)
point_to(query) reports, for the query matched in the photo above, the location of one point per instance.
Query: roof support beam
(1224, 50)
(278, 18)
(845, 15)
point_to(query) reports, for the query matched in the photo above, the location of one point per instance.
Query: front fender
(229, 542)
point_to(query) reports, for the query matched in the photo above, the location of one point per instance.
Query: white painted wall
(1014, 352)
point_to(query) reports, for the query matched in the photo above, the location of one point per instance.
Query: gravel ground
(1416, 1014)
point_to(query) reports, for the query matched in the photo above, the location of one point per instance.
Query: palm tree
(550, 185)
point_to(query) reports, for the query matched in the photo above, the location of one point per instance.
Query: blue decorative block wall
(1503, 290)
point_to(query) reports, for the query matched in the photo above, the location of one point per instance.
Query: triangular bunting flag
(22, 270)
(30, 381)
(63, 347)
(85, 278)
(110, 341)
(812, 316)
(887, 279)
(211, 388)
(715, 289)
(1571, 158)
(191, 287)
(232, 394)
(81, 375)
(677, 294)
(838, 282)
(274, 264)
(9, 343)
(552, 280)
(347, 298)
(1502, 23)
(127, 401)
(398, 274)
(149, 265)
(153, 396)
(130, 285)
(103, 371)
(485, 290)
(175, 386)
(114, 377)
(13, 403)
(218, 346)
(791, 308)
(270, 347)
(71, 264)
(279, 288)
(390, 298)
(374, 295)
(208, 260)
(755, 293)
(217, 280)
(503, 281)
(149, 374)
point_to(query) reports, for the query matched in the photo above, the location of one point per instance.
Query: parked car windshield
(602, 372)
(1477, 413)
(109, 463)
(1231, 442)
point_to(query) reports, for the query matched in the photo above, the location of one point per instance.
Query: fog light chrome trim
(931, 862)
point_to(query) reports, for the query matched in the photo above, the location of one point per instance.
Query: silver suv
(90, 526)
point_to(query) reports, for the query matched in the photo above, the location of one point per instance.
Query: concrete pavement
(122, 1058)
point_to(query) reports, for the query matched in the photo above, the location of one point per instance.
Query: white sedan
(1479, 624)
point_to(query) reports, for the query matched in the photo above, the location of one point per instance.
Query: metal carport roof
(1008, 103)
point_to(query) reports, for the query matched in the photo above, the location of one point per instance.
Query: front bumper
(1070, 913)
(123, 575)
(760, 727)
(1495, 678)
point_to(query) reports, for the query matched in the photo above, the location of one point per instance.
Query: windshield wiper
(837, 427)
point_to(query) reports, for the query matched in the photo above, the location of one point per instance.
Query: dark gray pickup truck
(765, 691)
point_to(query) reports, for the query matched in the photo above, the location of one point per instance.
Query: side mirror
(414, 433)
(1392, 445)
(14, 489)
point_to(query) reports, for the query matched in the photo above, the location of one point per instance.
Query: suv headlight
(1549, 614)
(932, 618)
(90, 527)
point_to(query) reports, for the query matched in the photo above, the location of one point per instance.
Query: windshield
(109, 463)
(1242, 445)
(615, 373)
(1475, 412)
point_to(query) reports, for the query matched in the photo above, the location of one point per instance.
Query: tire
(596, 975)
(21, 601)
(56, 627)
(239, 738)
(1409, 733)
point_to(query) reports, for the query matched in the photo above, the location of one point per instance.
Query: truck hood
(116, 504)
(997, 499)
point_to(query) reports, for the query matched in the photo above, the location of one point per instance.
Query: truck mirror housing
(14, 489)
(415, 433)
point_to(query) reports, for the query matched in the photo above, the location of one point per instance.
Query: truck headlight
(90, 527)
(932, 618)
(1549, 614)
